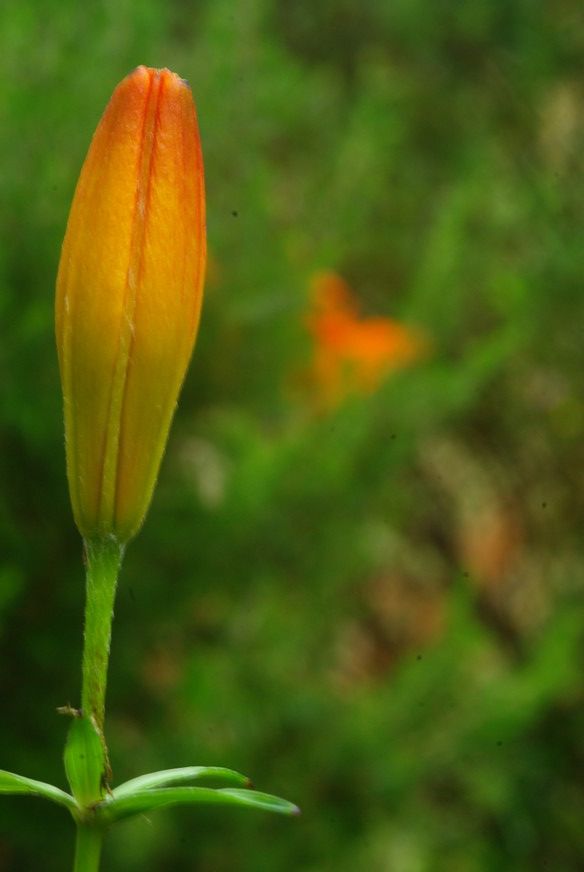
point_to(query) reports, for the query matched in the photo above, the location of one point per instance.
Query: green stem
(104, 558)
(87, 848)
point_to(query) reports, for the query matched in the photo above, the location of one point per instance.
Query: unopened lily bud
(129, 294)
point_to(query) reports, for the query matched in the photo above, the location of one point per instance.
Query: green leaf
(182, 776)
(11, 783)
(86, 763)
(265, 801)
(115, 809)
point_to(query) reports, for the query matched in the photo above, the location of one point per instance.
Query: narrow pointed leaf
(182, 776)
(256, 799)
(11, 783)
(144, 801)
(86, 764)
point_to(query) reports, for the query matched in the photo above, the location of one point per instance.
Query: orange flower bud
(129, 294)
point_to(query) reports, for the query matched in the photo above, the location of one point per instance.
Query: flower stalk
(103, 560)
(86, 753)
(88, 848)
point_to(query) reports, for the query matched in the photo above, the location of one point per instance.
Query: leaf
(86, 764)
(11, 783)
(265, 801)
(139, 802)
(181, 776)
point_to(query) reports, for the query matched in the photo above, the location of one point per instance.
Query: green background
(376, 611)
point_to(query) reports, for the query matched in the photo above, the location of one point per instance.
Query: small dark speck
(235, 213)
(419, 657)
(392, 436)
(544, 505)
(499, 743)
(465, 574)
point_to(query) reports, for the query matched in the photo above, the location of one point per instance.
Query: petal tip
(142, 77)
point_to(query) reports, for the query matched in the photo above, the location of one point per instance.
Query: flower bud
(129, 293)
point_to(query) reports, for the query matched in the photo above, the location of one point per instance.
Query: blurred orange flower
(353, 354)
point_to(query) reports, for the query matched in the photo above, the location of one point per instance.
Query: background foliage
(373, 607)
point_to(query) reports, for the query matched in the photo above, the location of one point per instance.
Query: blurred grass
(376, 610)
